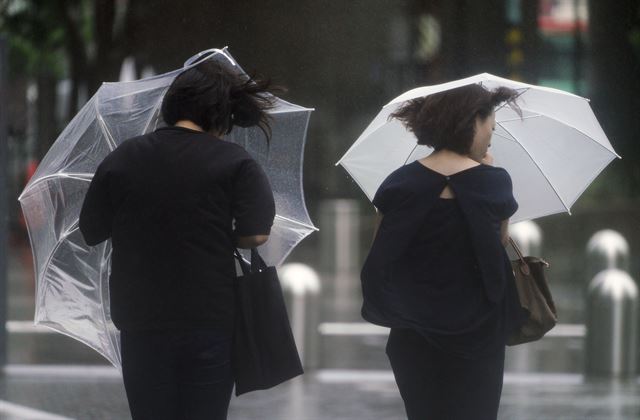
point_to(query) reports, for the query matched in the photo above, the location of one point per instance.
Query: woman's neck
(445, 154)
(193, 126)
(188, 124)
(448, 162)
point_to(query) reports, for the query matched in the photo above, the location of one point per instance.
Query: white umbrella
(553, 152)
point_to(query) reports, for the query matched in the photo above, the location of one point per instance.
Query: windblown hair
(446, 120)
(217, 99)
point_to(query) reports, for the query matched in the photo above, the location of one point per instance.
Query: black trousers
(177, 375)
(438, 386)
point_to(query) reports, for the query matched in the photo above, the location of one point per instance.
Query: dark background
(345, 58)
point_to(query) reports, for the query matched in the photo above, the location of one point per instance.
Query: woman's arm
(253, 206)
(96, 214)
(504, 232)
(248, 242)
(376, 222)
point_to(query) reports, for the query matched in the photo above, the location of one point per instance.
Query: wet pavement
(50, 376)
(323, 395)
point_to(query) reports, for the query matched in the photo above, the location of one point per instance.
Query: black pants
(177, 375)
(438, 386)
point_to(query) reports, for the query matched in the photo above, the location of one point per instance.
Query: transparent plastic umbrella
(72, 290)
(552, 153)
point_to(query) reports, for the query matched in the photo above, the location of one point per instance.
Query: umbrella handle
(208, 54)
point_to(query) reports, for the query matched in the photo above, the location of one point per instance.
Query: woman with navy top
(437, 273)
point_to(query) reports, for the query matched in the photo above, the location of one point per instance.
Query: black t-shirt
(172, 202)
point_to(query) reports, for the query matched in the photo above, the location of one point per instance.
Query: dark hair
(446, 120)
(215, 98)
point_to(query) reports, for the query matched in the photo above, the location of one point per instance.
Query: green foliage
(36, 33)
(25, 59)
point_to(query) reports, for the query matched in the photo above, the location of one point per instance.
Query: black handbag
(535, 298)
(264, 351)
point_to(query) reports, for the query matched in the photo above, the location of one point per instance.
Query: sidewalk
(57, 393)
(51, 377)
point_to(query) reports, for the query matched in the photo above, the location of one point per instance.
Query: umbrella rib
(541, 171)
(103, 126)
(64, 235)
(300, 181)
(361, 138)
(504, 137)
(74, 226)
(595, 175)
(290, 111)
(81, 176)
(520, 118)
(355, 179)
(155, 108)
(409, 155)
(542, 114)
(521, 91)
(61, 329)
(297, 222)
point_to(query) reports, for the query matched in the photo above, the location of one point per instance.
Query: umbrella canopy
(553, 152)
(72, 290)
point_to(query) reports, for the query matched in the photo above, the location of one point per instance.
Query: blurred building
(346, 59)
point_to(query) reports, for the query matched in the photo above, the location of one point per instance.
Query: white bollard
(528, 236)
(301, 288)
(612, 325)
(607, 249)
(340, 241)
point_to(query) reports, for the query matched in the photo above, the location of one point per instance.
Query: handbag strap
(244, 265)
(256, 264)
(521, 256)
(524, 267)
(517, 249)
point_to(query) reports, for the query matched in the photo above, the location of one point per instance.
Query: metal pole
(340, 221)
(3, 201)
(301, 288)
(607, 249)
(612, 329)
(340, 248)
(528, 236)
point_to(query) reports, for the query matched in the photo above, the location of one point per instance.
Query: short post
(607, 249)
(4, 208)
(528, 236)
(340, 240)
(340, 249)
(612, 325)
(301, 288)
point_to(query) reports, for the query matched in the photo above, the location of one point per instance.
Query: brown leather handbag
(535, 298)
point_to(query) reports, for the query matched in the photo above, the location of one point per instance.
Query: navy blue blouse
(438, 265)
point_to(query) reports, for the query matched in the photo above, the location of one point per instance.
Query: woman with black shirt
(437, 273)
(175, 203)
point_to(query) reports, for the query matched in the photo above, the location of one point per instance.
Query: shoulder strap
(256, 264)
(517, 249)
(244, 265)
